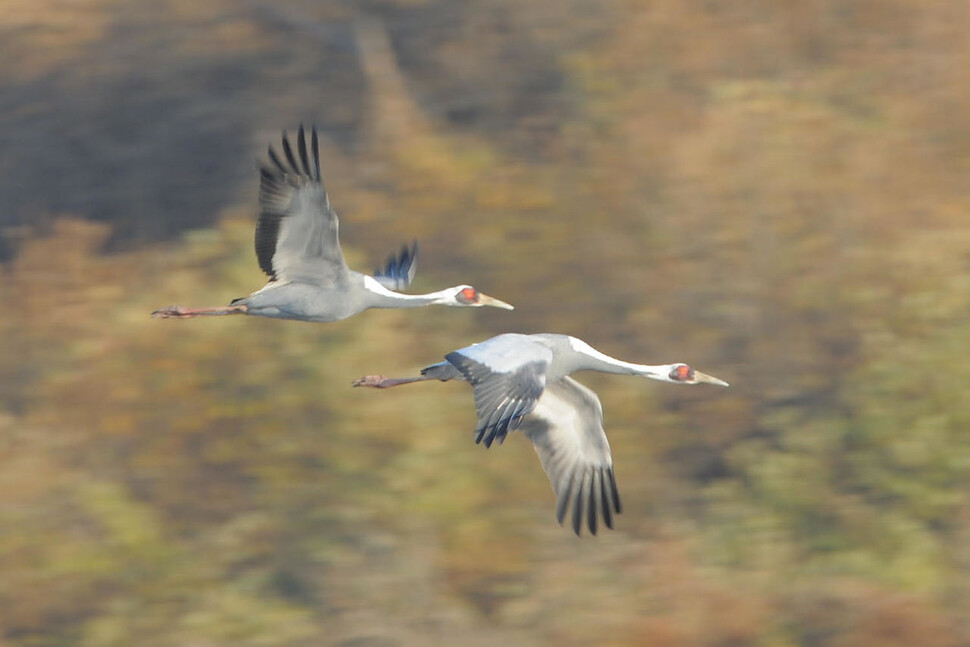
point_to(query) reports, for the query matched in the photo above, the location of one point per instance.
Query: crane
(522, 381)
(297, 246)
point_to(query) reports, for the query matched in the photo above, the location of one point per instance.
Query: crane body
(297, 245)
(522, 382)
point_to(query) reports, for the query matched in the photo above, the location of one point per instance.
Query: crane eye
(468, 295)
(682, 373)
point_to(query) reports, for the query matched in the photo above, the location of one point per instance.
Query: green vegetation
(773, 192)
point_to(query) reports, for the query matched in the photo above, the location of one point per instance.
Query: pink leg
(185, 313)
(381, 382)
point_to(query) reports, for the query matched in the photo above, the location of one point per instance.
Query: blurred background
(775, 192)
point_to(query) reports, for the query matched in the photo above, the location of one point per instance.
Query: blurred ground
(774, 192)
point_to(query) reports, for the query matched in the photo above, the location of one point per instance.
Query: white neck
(381, 297)
(602, 362)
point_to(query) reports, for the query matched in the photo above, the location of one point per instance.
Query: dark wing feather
(398, 271)
(315, 147)
(297, 232)
(507, 374)
(268, 226)
(566, 430)
(276, 160)
(304, 160)
(288, 151)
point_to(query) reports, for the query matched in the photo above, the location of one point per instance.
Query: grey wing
(398, 271)
(566, 430)
(507, 374)
(297, 232)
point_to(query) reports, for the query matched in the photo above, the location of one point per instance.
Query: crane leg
(381, 382)
(179, 312)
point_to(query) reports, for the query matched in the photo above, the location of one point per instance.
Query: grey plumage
(297, 245)
(566, 431)
(297, 232)
(521, 382)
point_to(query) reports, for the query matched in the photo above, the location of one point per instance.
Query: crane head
(685, 374)
(466, 295)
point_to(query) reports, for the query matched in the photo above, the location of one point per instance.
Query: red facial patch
(469, 294)
(682, 372)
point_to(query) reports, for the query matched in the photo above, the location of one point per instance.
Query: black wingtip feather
(605, 501)
(562, 501)
(301, 148)
(288, 151)
(578, 509)
(615, 493)
(591, 500)
(315, 146)
(296, 164)
(275, 158)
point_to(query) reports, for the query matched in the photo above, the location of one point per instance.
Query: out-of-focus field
(775, 192)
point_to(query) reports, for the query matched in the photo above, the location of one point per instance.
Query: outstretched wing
(566, 430)
(398, 271)
(296, 235)
(507, 374)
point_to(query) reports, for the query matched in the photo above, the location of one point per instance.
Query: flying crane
(522, 381)
(297, 246)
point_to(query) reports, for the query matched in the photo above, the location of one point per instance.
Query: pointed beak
(704, 378)
(485, 300)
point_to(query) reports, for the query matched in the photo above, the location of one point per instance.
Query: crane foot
(376, 381)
